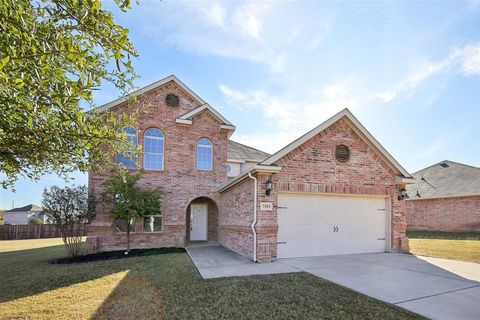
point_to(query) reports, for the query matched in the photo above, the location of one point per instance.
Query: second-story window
(204, 154)
(129, 159)
(153, 145)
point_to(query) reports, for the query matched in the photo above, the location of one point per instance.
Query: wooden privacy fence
(33, 231)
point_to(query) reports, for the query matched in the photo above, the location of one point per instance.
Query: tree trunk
(128, 237)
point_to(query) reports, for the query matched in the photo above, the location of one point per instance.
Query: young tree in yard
(70, 209)
(126, 201)
(53, 54)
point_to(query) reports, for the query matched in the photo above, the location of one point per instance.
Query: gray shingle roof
(445, 179)
(30, 207)
(238, 151)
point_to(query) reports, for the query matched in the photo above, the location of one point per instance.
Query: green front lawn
(164, 287)
(463, 250)
(456, 245)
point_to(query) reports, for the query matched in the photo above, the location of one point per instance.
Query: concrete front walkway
(435, 288)
(217, 262)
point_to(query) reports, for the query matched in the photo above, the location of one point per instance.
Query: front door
(198, 222)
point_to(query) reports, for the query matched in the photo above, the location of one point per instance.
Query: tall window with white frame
(204, 155)
(129, 159)
(153, 145)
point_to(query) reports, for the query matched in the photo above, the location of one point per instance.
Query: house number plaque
(266, 206)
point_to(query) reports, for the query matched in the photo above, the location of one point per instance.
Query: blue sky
(409, 71)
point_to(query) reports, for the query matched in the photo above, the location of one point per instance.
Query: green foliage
(125, 200)
(35, 220)
(53, 54)
(2, 219)
(70, 208)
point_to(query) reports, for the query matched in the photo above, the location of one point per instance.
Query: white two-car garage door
(316, 225)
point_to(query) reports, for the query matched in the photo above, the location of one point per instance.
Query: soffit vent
(342, 153)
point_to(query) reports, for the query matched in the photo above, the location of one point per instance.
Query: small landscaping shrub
(70, 209)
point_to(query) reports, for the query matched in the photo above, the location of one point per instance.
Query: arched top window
(204, 154)
(153, 144)
(129, 159)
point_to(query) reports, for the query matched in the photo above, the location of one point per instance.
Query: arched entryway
(202, 220)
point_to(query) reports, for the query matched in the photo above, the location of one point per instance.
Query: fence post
(16, 231)
(39, 230)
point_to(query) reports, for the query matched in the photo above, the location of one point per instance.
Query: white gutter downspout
(254, 217)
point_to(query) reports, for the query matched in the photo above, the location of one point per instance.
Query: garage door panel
(312, 225)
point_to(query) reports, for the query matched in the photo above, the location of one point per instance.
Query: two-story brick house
(333, 190)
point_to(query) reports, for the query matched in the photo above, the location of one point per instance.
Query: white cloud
(470, 60)
(248, 20)
(465, 60)
(267, 33)
(290, 117)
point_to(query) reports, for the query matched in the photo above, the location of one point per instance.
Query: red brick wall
(444, 214)
(267, 225)
(236, 216)
(180, 182)
(312, 167)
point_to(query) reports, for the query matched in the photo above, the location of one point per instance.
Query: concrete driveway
(435, 288)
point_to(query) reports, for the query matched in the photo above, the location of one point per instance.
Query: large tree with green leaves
(126, 201)
(53, 54)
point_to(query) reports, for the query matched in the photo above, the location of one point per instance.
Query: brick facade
(311, 167)
(180, 182)
(444, 214)
(236, 218)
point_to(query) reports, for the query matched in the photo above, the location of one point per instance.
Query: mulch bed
(111, 255)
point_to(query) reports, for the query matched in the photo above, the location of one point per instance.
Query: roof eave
(404, 180)
(443, 196)
(256, 168)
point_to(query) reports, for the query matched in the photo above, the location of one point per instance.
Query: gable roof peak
(356, 125)
(147, 88)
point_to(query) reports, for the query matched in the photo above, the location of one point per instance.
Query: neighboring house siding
(180, 182)
(312, 168)
(444, 214)
(236, 216)
(22, 217)
(17, 218)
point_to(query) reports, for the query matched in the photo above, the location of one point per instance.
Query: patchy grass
(463, 250)
(451, 235)
(165, 286)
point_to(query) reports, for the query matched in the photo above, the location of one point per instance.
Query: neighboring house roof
(359, 129)
(445, 179)
(240, 152)
(30, 207)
